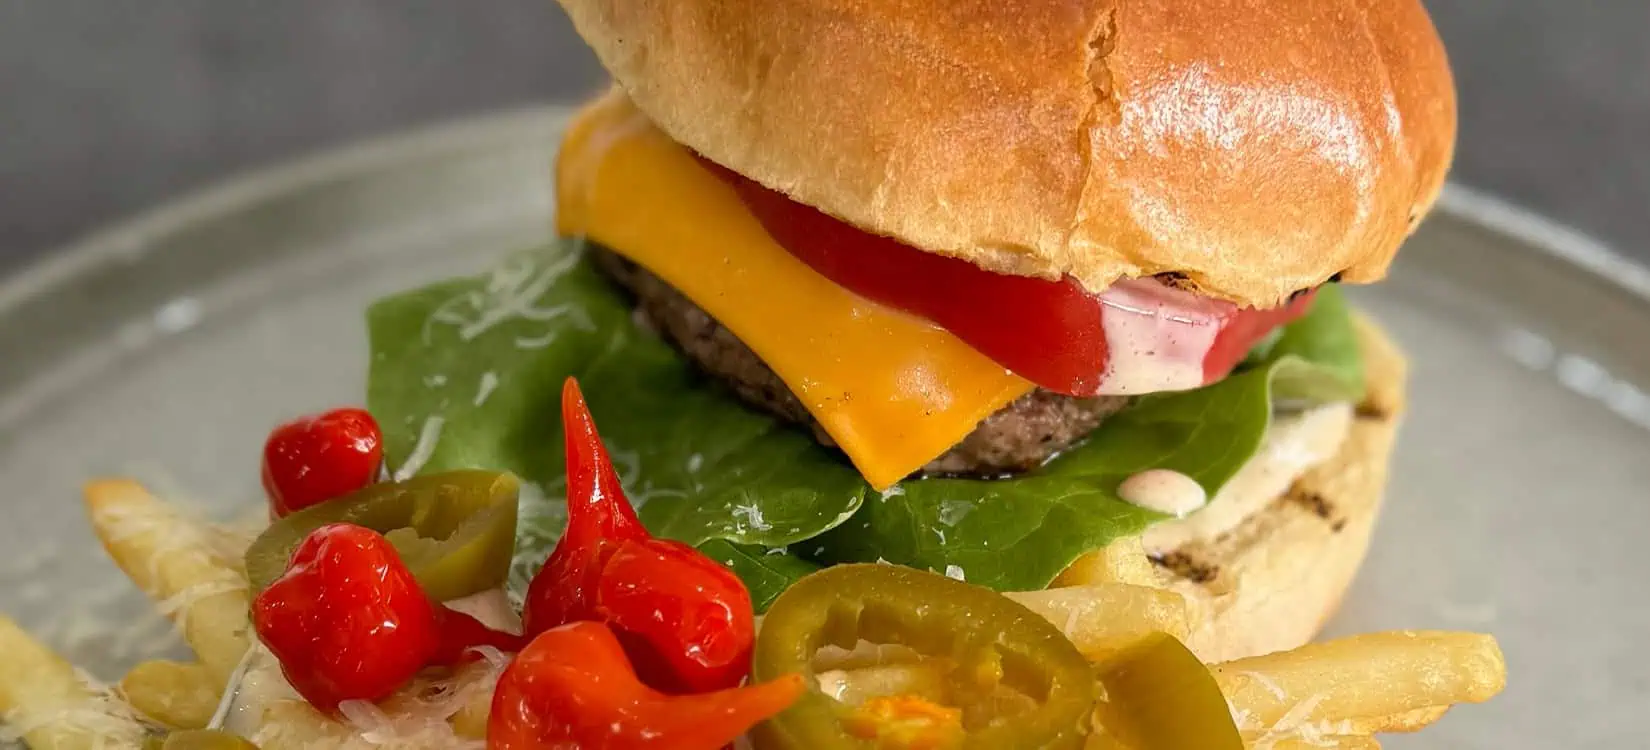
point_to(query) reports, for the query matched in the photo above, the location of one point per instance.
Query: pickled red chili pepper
(348, 621)
(573, 688)
(686, 621)
(319, 457)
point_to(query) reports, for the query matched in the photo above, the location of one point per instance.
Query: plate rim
(125, 239)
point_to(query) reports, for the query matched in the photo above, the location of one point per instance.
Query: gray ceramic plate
(168, 346)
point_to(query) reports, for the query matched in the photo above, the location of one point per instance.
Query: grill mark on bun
(1312, 501)
(1372, 411)
(1187, 566)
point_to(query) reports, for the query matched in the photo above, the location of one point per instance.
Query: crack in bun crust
(1256, 148)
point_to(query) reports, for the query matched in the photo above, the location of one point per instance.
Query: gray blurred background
(111, 106)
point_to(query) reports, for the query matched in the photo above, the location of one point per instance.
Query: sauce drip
(1164, 491)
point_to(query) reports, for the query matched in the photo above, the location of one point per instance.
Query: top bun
(1255, 148)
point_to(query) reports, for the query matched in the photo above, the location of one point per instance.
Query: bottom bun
(1272, 581)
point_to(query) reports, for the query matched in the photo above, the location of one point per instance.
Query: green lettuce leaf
(468, 373)
(766, 571)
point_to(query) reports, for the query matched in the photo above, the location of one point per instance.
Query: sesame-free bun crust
(1256, 148)
(1271, 583)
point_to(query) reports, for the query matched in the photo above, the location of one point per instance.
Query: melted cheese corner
(892, 390)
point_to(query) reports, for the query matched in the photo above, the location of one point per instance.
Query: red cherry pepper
(685, 620)
(347, 621)
(316, 458)
(573, 689)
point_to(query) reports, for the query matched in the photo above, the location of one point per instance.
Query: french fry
(1408, 721)
(1122, 561)
(178, 695)
(1100, 739)
(180, 564)
(1097, 617)
(1363, 679)
(45, 700)
(1338, 742)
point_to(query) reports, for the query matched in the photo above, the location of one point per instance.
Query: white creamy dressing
(1165, 491)
(1156, 337)
(1293, 444)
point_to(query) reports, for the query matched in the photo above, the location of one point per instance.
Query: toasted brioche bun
(1271, 582)
(1255, 149)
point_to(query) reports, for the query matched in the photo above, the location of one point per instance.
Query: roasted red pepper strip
(347, 621)
(316, 458)
(686, 621)
(573, 689)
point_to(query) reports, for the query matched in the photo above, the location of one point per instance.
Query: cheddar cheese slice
(892, 390)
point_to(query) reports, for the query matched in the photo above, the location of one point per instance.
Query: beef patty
(1015, 438)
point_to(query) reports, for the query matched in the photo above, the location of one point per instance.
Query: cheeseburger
(1023, 280)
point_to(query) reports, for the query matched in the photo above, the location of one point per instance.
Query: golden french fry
(1408, 721)
(1097, 617)
(178, 695)
(1122, 561)
(181, 564)
(45, 700)
(1337, 742)
(1100, 739)
(1363, 677)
